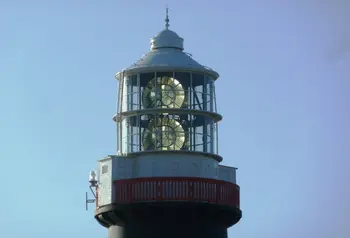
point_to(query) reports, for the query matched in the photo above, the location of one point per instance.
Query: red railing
(176, 189)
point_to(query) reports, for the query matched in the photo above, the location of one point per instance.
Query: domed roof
(167, 54)
(167, 39)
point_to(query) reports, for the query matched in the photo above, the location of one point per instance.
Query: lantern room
(166, 101)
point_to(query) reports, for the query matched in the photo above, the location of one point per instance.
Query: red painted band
(176, 189)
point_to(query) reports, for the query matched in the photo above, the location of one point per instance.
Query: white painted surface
(115, 232)
(169, 165)
(122, 168)
(227, 174)
(105, 182)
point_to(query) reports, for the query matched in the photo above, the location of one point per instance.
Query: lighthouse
(166, 179)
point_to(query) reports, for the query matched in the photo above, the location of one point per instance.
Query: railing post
(130, 192)
(190, 190)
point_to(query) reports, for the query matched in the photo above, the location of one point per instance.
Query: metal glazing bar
(204, 100)
(212, 137)
(130, 108)
(174, 104)
(138, 123)
(214, 97)
(120, 147)
(217, 138)
(191, 136)
(155, 116)
(211, 96)
(196, 99)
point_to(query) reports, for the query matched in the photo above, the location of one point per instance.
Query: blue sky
(284, 92)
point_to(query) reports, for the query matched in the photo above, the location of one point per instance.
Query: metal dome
(167, 54)
(167, 39)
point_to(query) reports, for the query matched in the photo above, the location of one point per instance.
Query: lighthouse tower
(166, 180)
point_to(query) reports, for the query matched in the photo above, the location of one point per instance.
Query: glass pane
(147, 90)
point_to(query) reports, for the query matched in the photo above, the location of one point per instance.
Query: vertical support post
(131, 121)
(126, 137)
(120, 122)
(191, 136)
(204, 101)
(139, 108)
(212, 123)
(156, 116)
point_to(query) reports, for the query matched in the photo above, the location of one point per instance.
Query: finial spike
(167, 18)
